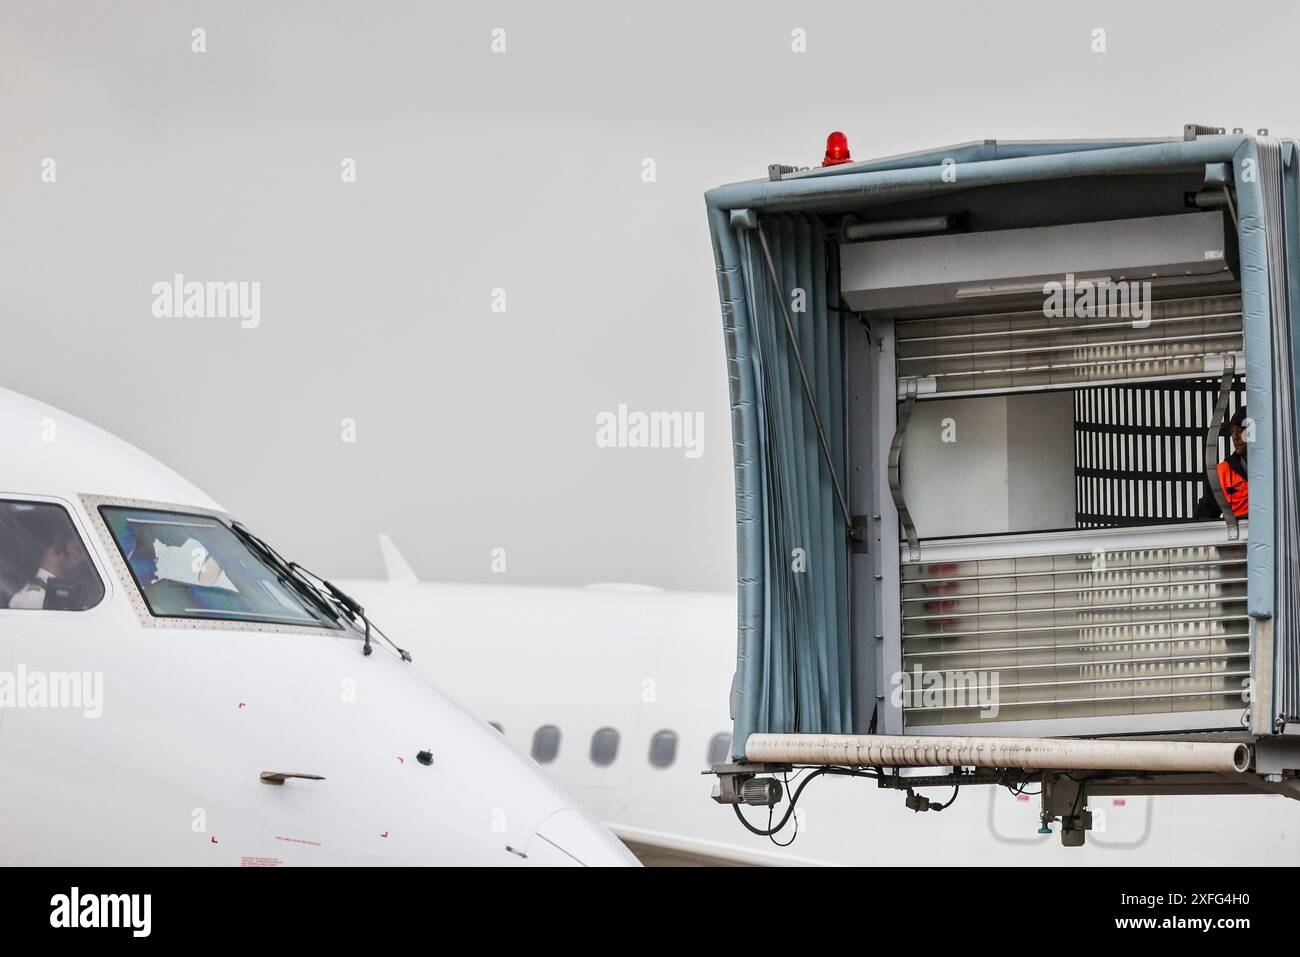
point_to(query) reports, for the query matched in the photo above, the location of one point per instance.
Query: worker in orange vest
(1232, 474)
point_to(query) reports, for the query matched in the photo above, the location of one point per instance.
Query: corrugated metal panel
(1018, 350)
(1075, 635)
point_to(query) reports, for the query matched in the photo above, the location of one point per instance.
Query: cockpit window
(194, 566)
(43, 563)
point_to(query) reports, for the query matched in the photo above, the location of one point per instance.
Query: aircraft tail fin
(397, 569)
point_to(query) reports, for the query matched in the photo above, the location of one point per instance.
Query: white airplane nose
(570, 838)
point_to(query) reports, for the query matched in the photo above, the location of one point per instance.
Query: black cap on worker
(1238, 419)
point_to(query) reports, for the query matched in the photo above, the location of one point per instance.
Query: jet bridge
(979, 398)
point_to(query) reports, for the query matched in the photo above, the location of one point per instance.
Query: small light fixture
(837, 150)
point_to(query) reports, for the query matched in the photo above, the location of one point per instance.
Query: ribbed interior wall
(1128, 631)
(1012, 350)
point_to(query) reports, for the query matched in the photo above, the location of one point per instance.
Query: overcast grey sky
(477, 170)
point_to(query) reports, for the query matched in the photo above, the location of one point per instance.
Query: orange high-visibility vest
(1236, 488)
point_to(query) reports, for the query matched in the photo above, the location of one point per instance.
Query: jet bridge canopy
(976, 395)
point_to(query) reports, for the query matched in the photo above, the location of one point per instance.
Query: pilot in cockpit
(141, 553)
(63, 561)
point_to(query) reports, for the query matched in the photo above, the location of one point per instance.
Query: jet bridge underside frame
(1069, 773)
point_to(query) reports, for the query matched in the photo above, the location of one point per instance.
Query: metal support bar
(926, 751)
(807, 386)
(956, 778)
(896, 475)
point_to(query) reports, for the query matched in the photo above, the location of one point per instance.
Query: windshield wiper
(296, 583)
(353, 607)
(326, 596)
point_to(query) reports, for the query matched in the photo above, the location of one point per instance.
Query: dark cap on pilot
(1238, 419)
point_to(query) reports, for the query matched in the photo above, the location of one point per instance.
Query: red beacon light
(837, 150)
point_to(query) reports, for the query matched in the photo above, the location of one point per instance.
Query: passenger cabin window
(44, 564)
(604, 747)
(663, 749)
(719, 749)
(546, 744)
(195, 566)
